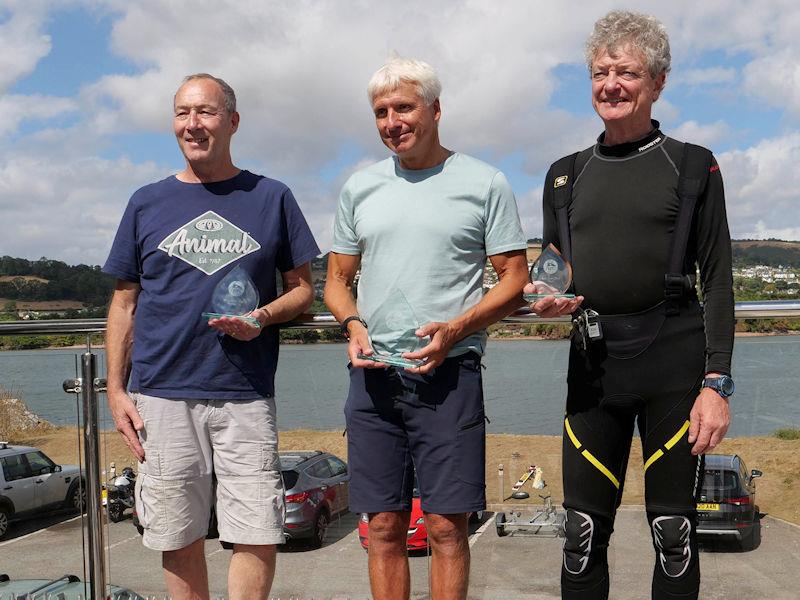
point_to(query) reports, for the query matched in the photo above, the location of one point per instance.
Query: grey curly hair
(643, 32)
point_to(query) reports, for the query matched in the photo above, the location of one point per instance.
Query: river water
(524, 385)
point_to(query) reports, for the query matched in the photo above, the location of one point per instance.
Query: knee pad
(579, 533)
(671, 535)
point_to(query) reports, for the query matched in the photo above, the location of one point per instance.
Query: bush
(787, 433)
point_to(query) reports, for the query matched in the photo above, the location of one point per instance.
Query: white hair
(398, 70)
(644, 33)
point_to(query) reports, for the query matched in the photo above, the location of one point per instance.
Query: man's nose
(611, 81)
(192, 121)
(393, 120)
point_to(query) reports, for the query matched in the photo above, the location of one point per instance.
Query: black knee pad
(579, 534)
(584, 571)
(672, 537)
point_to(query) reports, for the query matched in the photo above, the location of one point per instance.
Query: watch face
(726, 386)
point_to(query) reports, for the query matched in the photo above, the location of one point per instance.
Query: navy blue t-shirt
(177, 241)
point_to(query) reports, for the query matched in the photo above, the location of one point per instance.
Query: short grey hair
(227, 91)
(643, 32)
(398, 70)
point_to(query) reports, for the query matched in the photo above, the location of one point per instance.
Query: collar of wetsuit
(628, 147)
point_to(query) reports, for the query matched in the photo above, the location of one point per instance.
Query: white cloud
(18, 108)
(709, 76)
(22, 43)
(704, 135)
(761, 188)
(776, 79)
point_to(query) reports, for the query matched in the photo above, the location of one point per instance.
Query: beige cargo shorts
(184, 441)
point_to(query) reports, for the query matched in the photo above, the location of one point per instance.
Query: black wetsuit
(650, 364)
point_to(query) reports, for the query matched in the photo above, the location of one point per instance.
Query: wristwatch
(351, 318)
(723, 385)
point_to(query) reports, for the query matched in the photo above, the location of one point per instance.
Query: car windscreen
(719, 484)
(289, 479)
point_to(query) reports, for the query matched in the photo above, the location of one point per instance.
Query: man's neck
(621, 133)
(199, 174)
(436, 156)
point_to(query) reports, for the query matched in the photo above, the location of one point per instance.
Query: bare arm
(501, 300)
(297, 297)
(119, 340)
(342, 269)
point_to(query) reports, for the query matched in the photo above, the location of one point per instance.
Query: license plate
(707, 506)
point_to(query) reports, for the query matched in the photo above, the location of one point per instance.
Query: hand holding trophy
(392, 332)
(235, 296)
(551, 275)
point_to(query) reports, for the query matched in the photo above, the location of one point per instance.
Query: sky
(86, 92)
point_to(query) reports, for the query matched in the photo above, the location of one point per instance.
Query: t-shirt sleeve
(298, 245)
(503, 228)
(345, 240)
(124, 258)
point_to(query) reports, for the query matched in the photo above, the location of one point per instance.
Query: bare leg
(449, 555)
(251, 571)
(389, 576)
(185, 572)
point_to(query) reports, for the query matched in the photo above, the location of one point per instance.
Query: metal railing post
(88, 386)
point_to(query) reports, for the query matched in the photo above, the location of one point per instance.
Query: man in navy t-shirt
(202, 391)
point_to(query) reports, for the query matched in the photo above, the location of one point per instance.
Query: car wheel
(76, 497)
(320, 529)
(115, 512)
(752, 539)
(500, 522)
(4, 516)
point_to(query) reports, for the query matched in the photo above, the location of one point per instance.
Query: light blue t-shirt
(424, 236)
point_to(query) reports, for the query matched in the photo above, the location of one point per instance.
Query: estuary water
(524, 384)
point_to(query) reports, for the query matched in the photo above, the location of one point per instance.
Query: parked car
(31, 483)
(315, 490)
(417, 535)
(726, 508)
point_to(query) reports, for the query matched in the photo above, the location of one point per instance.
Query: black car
(726, 506)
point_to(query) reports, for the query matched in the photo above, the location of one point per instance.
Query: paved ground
(516, 567)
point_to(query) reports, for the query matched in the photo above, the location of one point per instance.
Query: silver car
(31, 483)
(316, 488)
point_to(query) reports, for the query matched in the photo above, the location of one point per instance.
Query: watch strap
(352, 318)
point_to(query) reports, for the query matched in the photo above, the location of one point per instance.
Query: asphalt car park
(515, 567)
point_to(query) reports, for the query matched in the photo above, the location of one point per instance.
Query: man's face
(405, 123)
(623, 91)
(201, 123)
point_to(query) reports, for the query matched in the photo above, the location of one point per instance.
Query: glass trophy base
(393, 360)
(535, 297)
(251, 320)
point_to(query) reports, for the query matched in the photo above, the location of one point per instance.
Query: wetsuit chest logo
(209, 242)
(561, 180)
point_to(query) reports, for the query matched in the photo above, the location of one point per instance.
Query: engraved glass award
(391, 332)
(551, 275)
(234, 296)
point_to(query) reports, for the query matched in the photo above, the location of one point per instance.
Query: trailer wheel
(500, 523)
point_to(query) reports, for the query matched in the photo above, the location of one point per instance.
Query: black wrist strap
(352, 318)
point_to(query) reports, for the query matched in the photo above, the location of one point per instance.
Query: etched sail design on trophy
(392, 330)
(234, 296)
(551, 275)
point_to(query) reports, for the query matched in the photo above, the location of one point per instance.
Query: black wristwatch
(351, 318)
(723, 385)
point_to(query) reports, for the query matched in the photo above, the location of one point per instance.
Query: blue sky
(86, 87)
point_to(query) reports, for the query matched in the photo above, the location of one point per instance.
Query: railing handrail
(760, 309)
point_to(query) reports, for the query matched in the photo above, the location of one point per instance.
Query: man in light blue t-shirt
(420, 225)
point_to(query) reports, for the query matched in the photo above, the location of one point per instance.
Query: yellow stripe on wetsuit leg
(589, 456)
(672, 441)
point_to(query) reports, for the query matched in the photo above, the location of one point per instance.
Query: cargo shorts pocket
(471, 451)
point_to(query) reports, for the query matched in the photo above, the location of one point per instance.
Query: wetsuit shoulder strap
(692, 180)
(563, 180)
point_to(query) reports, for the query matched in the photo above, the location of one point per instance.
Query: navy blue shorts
(397, 421)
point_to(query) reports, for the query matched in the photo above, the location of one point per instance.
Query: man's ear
(234, 122)
(660, 83)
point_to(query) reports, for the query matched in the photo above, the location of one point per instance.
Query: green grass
(787, 433)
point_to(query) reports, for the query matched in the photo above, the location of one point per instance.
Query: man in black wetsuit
(636, 231)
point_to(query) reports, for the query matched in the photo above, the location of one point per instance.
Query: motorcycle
(120, 494)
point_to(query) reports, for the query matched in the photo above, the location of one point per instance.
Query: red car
(417, 537)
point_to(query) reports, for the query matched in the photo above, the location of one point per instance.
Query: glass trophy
(551, 275)
(391, 332)
(234, 296)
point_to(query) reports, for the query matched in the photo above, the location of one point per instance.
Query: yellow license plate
(707, 506)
